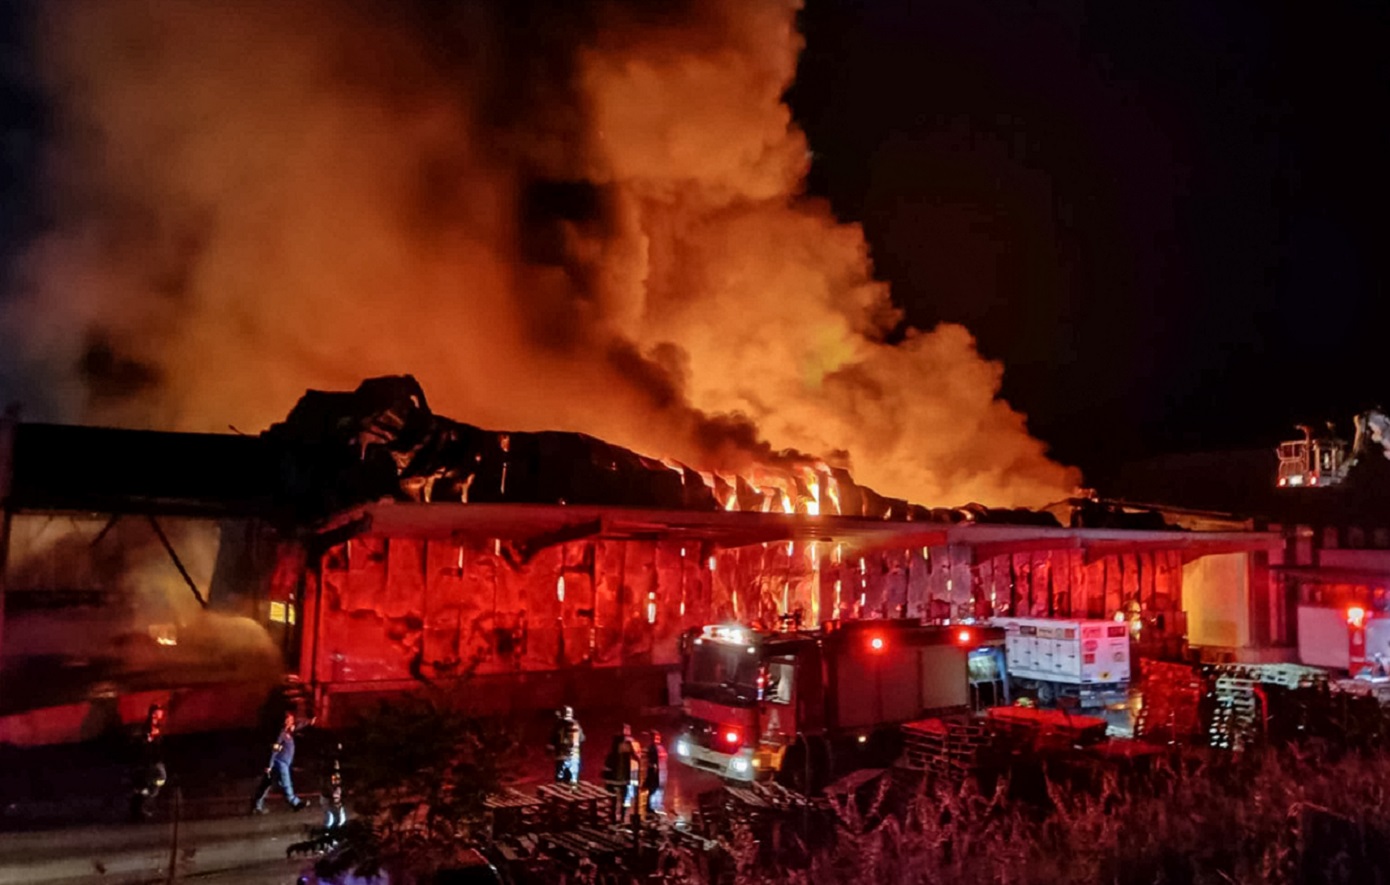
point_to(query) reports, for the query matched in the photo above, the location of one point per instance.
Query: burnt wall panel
(610, 563)
(1061, 572)
(938, 577)
(661, 610)
(444, 596)
(919, 584)
(1147, 582)
(366, 578)
(1168, 582)
(1094, 577)
(489, 599)
(577, 608)
(404, 598)
(640, 580)
(1022, 598)
(895, 582)
(1129, 586)
(961, 583)
(1040, 572)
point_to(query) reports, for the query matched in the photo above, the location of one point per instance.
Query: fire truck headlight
(739, 764)
(682, 748)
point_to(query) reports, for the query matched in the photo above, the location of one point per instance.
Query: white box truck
(1084, 659)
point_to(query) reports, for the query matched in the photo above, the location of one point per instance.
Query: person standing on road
(277, 773)
(564, 743)
(334, 804)
(149, 774)
(621, 773)
(654, 781)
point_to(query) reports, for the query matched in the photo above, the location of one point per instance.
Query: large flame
(556, 215)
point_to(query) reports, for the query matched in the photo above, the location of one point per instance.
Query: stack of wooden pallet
(1293, 676)
(1173, 698)
(945, 747)
(512, 811)
(1238, 716)
(606, 848)
(574, 805)
(765, 797)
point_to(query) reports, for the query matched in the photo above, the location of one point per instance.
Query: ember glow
(556, 216)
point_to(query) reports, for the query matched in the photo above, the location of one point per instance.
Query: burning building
(378, 548)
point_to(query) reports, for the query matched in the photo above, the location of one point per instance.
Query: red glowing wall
(388, 609)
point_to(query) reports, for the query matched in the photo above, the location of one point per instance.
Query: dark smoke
(557, 215)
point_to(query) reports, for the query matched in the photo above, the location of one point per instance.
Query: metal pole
(174, 840)
(8, 422)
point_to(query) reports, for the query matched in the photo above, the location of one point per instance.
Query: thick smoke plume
(556, 215)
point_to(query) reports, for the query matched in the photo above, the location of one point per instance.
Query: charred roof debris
(383, 442)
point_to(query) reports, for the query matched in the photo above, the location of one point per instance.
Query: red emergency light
(732, 736)
(876, 643)
(964, 637)
(1356, 616)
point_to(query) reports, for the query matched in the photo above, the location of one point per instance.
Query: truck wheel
(1047, 693)
(793, 774)
(822, 764)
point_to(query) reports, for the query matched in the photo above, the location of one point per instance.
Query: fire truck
(1324, 460)
(1355, 638)
(801, 705)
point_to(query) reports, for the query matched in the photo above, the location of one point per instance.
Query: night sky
(1161, 217)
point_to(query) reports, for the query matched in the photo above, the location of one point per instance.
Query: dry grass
(1274, 817)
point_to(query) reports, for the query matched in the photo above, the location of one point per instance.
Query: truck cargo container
(1088, 660)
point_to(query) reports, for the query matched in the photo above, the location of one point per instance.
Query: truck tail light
(964, 637)
(731, 736)
(876, 643)
(1356, 616)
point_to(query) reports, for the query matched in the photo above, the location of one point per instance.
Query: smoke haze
(555, 215)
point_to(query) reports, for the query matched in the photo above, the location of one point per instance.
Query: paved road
(64, 806)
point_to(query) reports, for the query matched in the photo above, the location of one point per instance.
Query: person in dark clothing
(334, 804)
(277, 773)
(622, 773)
(654, 781)
(565, 742)
(149, 774)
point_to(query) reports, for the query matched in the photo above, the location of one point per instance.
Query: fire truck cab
(800, 704)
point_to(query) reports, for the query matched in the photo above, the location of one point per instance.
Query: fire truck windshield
(722, 672)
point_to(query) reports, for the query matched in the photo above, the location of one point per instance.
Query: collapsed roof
(382, 442)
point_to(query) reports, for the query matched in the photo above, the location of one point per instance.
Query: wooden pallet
(574, 805)
(512, 811)
(1287, 675)
(1238, 714)
(943, 746)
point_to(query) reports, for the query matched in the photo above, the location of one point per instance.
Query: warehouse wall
(402, 608)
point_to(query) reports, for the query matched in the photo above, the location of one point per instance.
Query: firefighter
(654, 782)
(334, 805)
(149, 773)
(621, 773)
(277, 773)
(565, 742)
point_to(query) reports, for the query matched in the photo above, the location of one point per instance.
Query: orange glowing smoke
(555, 215)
